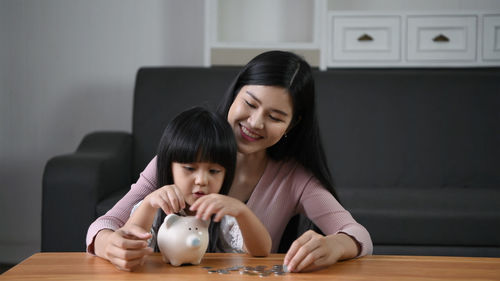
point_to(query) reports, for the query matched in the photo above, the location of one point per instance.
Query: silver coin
(222, 271)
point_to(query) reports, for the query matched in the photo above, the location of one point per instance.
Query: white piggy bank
(183, 239)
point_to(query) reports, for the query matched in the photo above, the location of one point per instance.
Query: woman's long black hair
(303, 141)
(197, 135)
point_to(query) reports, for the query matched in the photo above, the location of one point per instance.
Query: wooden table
(82, 266)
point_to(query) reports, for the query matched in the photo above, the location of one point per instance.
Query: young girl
(196, 161)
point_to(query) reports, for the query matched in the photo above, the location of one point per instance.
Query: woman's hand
(312, 251)
(126, 248)
(217, 204)
(169, 198)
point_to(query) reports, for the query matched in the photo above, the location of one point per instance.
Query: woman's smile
(248, 134)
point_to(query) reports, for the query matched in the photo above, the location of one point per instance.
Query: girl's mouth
(198, 194)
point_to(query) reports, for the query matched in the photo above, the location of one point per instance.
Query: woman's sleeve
(325, 211)
(117, 216)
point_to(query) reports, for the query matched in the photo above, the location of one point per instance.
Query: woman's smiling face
(260, 116)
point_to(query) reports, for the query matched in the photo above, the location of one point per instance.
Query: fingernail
(285, 268)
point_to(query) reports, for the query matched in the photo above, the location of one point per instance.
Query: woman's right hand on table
(126, 248)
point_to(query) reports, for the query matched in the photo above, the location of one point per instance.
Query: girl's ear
(170, 219)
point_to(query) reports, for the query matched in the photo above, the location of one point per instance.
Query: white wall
(67, 67)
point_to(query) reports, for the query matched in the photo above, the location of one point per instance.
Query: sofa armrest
(73, 184)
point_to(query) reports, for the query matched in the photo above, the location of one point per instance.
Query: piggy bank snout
(193, 241)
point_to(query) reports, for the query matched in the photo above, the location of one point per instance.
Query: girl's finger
(164, 203)
(182, 201)
(197, 203)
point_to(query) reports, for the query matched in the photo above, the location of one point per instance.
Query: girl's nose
(201, 178)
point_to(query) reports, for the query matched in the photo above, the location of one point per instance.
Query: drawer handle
(365, 38)
(441, 39)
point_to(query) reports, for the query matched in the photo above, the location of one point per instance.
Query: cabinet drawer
(491, 37)
(364, 38)
(441, 38)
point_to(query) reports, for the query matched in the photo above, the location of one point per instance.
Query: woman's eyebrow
(272, 109)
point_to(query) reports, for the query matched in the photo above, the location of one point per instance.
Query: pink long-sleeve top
(285, 189)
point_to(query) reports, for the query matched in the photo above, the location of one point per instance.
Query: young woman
(281, 169)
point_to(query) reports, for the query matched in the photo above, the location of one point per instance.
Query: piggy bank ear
(205, 223)
(170, 219)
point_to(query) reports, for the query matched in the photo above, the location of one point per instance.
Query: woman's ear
(293, 124)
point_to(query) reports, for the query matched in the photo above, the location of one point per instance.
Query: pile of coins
(259, 270)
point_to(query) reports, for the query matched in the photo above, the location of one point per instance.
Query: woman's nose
(256, 120)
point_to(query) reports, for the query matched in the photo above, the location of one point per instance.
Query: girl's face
(260, 116)
(197, 179)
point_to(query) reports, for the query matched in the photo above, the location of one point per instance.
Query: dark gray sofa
(415, 155)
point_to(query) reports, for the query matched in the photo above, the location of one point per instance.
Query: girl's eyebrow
(272, 109)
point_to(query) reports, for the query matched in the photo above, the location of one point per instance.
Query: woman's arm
(116, 217)
(345, 238)
(107, 237)
(256, 238)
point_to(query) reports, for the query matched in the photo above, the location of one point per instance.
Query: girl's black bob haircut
(197, 135)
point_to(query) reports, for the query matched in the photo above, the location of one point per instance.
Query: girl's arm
(256, 238)
(169, 198)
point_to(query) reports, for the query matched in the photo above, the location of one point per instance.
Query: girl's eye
(249, 104)
(214, 171)
(189, 168)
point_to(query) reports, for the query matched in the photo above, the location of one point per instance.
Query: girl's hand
(169, 198)
(217, 204)
(312, 251)
(126, 248)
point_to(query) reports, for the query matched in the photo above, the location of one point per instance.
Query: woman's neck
(249, 170)
(251, 161)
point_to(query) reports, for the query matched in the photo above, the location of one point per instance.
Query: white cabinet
(237, 30)
(365, 38)
(491, 38)
(441, 38)
(406, 39)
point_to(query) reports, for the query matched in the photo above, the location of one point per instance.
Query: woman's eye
(249, 104)
(275, 119)
(214, 171)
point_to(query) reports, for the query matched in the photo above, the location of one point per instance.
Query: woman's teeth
(248, 133)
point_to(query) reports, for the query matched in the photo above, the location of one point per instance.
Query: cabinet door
(441, 38)
(491, 37)
(364, 38)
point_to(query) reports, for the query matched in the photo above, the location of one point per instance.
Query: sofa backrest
(381, 127)
(411, 128)
(163, 92)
